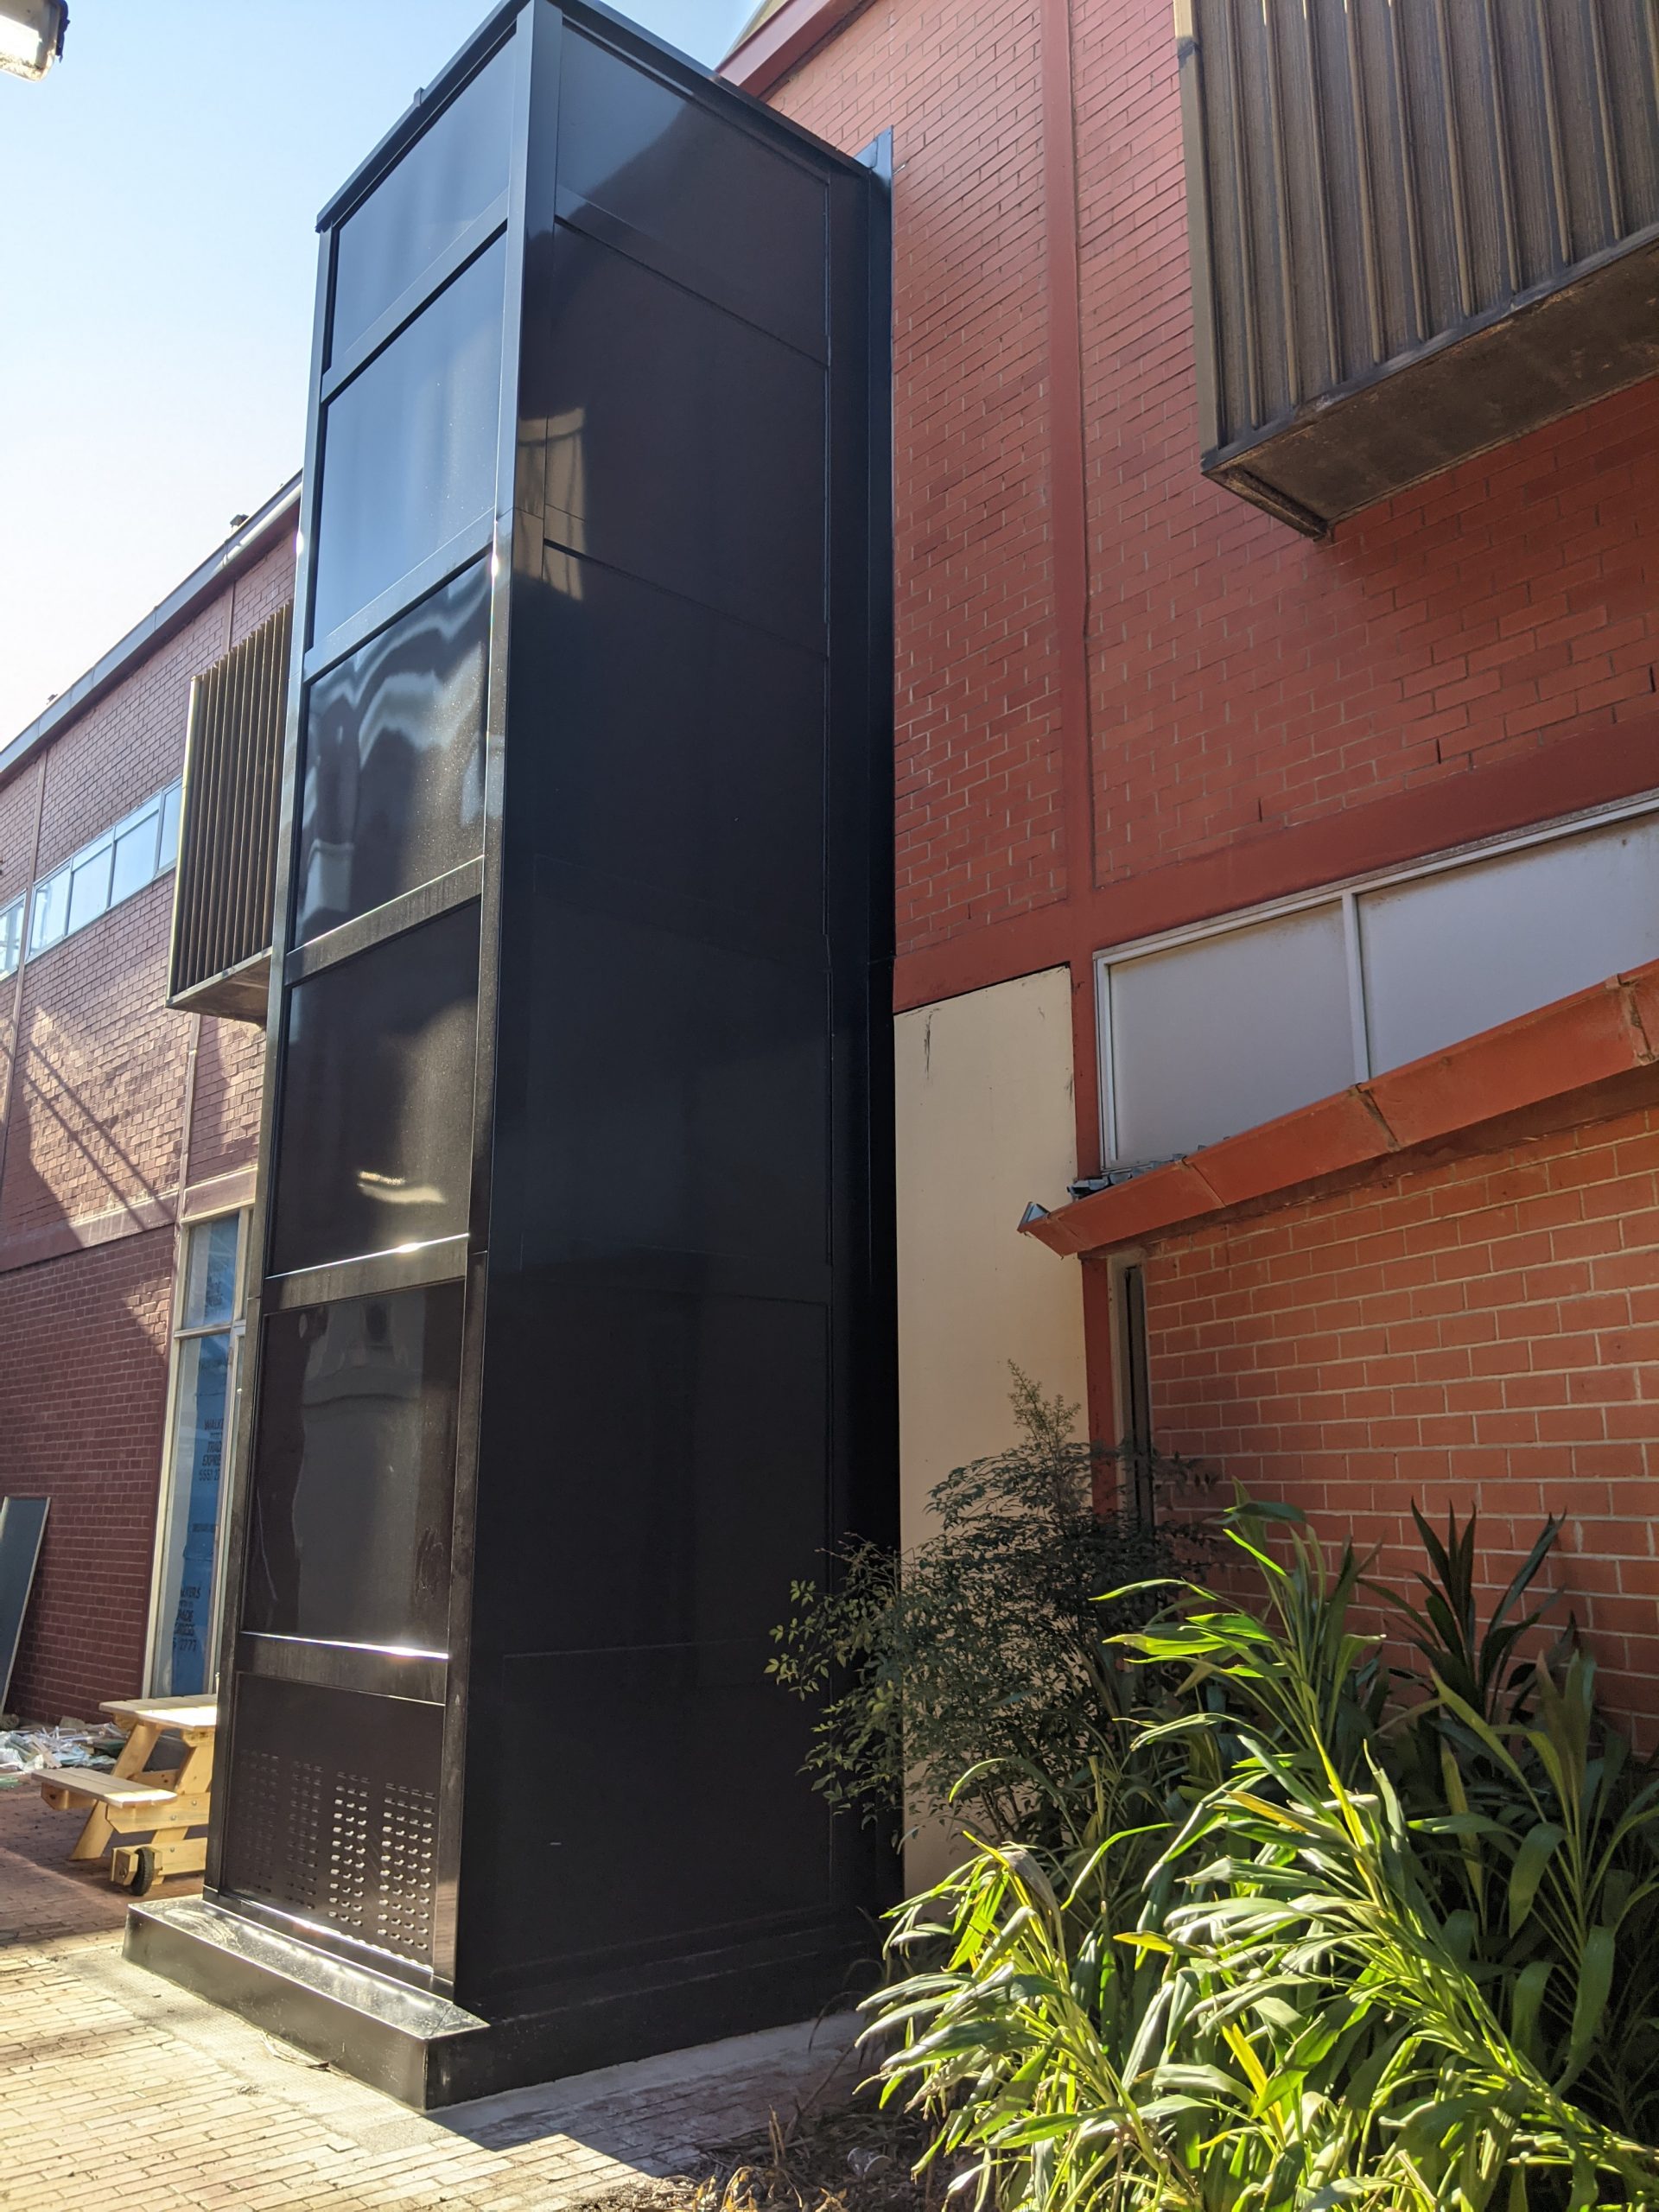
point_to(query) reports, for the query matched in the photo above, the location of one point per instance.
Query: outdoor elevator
(570, 1291)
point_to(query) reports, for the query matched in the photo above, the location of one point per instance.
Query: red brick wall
(83, 1390)
(978, 767)
(1245, 676)
(97, 1124)
(225, 1125)
(1243, 679)
(1264, 713)
(1481, 1331)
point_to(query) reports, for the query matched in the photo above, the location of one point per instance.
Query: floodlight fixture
(31, 36)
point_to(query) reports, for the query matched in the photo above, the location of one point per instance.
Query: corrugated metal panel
(227, 831)
(1419, 227)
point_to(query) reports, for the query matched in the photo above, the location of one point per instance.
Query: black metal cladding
(573, 1307)
(221, 961)
(1420, 228)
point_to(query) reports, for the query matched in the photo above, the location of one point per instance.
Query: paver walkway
(117, 2089)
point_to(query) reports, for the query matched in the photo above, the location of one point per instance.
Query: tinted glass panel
(375, 1144)
(393, 791)
(353, 1468)
(720, 213)
(408, 446)
(1212, 1037)
(445, 181)
(678, 444)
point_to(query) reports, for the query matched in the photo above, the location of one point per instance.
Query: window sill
(1607, 1031)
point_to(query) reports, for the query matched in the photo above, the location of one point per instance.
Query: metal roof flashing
(254, 539)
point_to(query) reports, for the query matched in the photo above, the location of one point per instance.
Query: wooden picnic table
(137, 1799)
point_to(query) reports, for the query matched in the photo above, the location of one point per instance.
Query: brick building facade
(1132, 707)
(1143, 726)
(124, 1123)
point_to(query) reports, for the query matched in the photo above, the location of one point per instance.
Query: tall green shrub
(973, 1669)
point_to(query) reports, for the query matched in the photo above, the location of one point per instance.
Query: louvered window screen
(1419, 228)
(222, 901)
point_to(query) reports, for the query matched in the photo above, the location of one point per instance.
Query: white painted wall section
(985, 1123)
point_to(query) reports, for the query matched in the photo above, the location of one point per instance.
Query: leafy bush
(973, 1669)
(1373, 1943)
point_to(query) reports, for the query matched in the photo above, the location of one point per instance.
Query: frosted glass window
(1213, 1037)
(408, 446)
(11, 936)
(1448, 956)
(445, 181)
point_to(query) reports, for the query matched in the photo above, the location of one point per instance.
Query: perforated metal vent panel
(332, 1811)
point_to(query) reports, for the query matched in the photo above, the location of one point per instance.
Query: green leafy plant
(1329, 1987)
(972, 1671)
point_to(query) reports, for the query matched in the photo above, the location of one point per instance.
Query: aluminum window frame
(162, 809)
(13, 917)
(180, 1333)
(1345, 892)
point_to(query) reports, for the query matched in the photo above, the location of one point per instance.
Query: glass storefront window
(206, 1347)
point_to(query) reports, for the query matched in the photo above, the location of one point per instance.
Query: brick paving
(118, 2090)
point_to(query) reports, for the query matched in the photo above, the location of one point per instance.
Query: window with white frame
(1218, 1028)
(11, 936)
(102, 874)
(207, 1358)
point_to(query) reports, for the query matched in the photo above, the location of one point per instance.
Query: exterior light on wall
(31, 36)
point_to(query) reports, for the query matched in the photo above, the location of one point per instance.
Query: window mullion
(1356, 986)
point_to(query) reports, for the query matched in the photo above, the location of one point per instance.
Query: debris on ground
(856, 2156)
(24, 1751)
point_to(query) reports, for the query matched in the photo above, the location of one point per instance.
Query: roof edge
(1589, 1038)
(254, 539)
(765, 56)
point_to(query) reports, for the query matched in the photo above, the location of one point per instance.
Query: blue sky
(158, 191)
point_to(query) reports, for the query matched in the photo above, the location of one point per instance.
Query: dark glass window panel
(667, 439)
(408, 446)
(445, 181)
(353, 1471)
(374, 1146)
(717, 210)
(680, 747)
(393, 788)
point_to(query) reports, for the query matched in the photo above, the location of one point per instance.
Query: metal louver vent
(227, 833)
(1420, 228)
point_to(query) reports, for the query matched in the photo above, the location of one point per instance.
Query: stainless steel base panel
(401, 2041)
